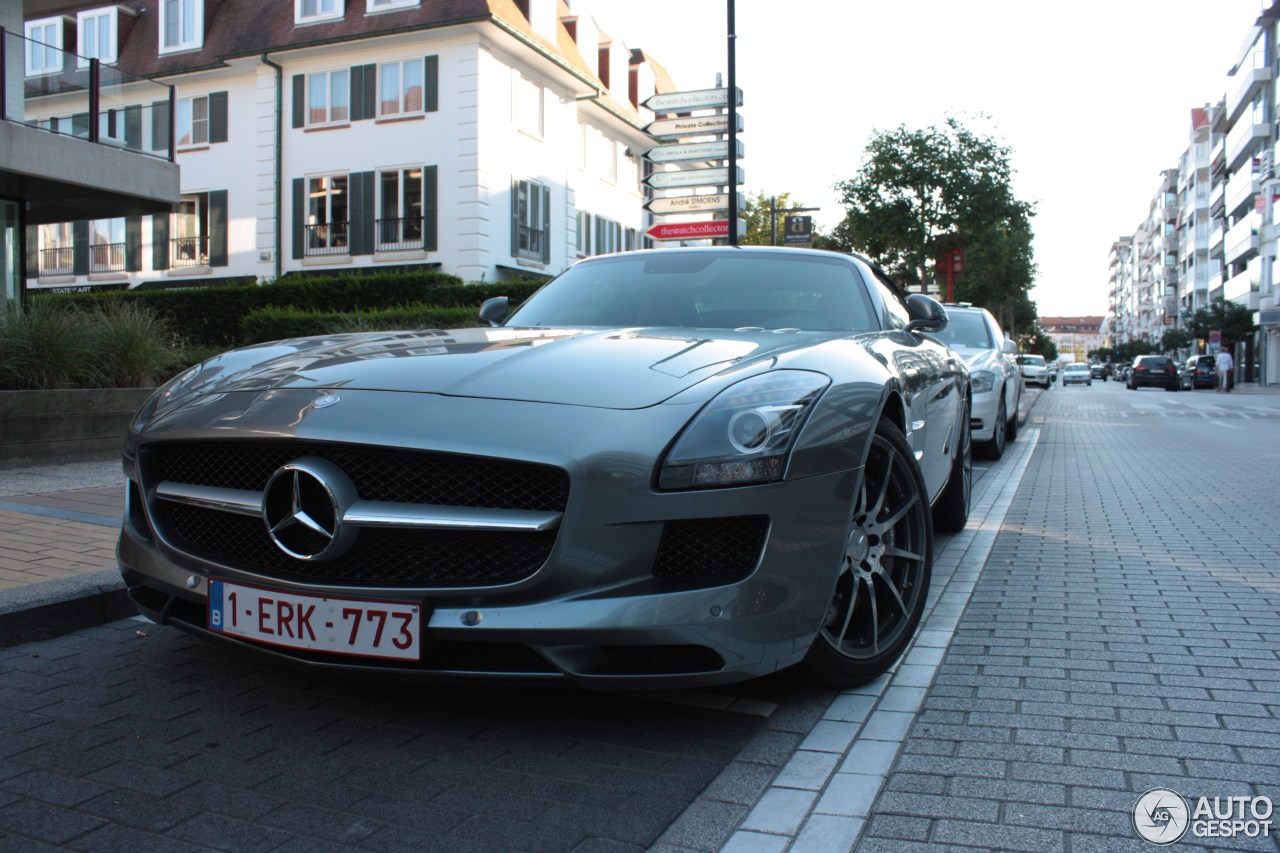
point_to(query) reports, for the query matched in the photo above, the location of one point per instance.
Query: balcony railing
(326, 239)
(189, 251)
(59, 261)
(106, 257)
(399, 235)
(77, 96)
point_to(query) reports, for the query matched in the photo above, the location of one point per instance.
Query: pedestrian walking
(1224, 362)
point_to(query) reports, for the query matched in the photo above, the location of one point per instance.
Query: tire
(882, 582)
(951, 511)
(1011, 430)
(994, 448)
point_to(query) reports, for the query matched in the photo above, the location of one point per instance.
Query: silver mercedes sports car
(667, 468)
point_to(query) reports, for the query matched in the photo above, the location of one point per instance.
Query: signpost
(712, 150)
(691, 126)
(688, 204)
(694, 230)
(717, 177)
(698, 99)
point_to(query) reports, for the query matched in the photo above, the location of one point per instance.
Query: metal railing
(65, 93)
(399, 235)
(59, 261)
(326, 239)
(106, 257)
(189, 251)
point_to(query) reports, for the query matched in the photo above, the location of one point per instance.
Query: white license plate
(344, 626)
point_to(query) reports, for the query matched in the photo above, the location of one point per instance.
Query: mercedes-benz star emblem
(303, 506)
(325, 402)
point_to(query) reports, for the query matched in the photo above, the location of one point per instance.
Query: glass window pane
(390, 92)
(317, 111)
(390, 195)
(182, 113)
(340, 92)
(413, 86)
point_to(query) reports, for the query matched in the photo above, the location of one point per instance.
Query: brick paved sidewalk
(1123, 636)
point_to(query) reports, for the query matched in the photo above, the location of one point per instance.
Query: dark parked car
(1097, 370)
(1158, 371)
(1199, 372)
(667, 467)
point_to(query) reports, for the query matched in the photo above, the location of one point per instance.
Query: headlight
(983, 380)
(743, 436)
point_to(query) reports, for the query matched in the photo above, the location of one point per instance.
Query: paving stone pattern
(134, 737)
(1123, 636)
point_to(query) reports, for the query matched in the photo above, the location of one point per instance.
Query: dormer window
(97, 30)
(312, 11)
(44, 46)
(383, 5)
(181, 25)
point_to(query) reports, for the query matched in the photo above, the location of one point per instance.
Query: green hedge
(215, 316)
(271, 324)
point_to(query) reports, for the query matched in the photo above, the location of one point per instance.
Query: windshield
(1035, 360)
(966, 330)
(710, 290)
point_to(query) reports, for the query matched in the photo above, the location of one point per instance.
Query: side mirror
(493, 311)
(926, 313)
(1009, 348)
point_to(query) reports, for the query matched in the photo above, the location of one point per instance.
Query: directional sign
(692, 126)
(700, 99)
(695, 230)
(716, 150)
(691, 203)
(693, 178)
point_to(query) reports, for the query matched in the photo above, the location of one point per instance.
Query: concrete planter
(38, 427)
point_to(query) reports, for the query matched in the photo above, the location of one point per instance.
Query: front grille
(383, 556)
(716, 550)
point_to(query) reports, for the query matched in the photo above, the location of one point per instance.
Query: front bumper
(594, 612)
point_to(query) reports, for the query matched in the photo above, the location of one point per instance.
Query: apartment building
(1226, 220)
(1075, 337)
(487, 138)
(63, 147)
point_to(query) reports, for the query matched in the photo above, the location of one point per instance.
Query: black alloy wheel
(883, 579)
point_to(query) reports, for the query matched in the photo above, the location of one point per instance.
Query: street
(1121, 635)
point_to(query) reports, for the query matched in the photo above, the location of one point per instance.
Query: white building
(486, 138)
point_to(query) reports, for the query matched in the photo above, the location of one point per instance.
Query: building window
(44, 46)
(97, 35)
(530, 220)
(181, 24)
(306, 11)
(192, 118)
(56, 247)
(107, 246)
(327, 215)
(400, 87)
(528, 100)
(380, 5)
(399, 225)
(329, 97)
(190, 241)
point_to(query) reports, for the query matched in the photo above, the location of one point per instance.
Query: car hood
(623, 369)
(979, 359)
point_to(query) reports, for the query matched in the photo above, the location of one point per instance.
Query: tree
(1233, 320)
(758, 215)
(918, 190)
(1175, 339)
(1038, 342)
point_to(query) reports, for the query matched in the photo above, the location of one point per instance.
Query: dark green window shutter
(430, 208)
(133, 243)
(515, 218)
(160, 126)
(299, 100)
(160, 241)
(431, 84)
(80, 247)
(217, 116)
(364, 92)
(361, 212)
(299, 217)
(546, 225)
(133, 128)
(217, 228)
(33, 251)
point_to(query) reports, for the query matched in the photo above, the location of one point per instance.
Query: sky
(1093, 98)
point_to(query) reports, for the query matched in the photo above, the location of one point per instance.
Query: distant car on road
(1098, 370)
(1198, 372)
(1159, 371)
(1076, 374)
(1034, 370)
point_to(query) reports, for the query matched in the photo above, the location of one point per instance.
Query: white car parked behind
(993, 375)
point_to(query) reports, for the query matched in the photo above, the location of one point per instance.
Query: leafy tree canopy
(921, 190)
(1233, 320)
(764, 223)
